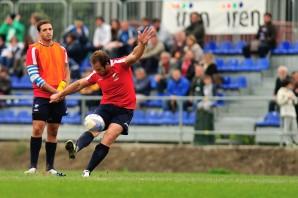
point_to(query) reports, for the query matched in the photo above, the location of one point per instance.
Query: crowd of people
(176, 63)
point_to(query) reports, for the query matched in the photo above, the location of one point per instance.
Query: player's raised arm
(143, 38)
(72, 88)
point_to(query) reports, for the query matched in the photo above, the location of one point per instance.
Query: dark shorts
(48, 112)
(113, 114)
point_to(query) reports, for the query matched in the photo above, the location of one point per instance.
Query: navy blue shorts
(42, 109)
(113, 114)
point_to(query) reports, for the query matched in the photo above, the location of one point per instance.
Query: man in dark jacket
(266, 38)
(196, 28)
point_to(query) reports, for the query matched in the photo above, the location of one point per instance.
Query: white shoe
(86, 173)
(30, 171)
(56, 173)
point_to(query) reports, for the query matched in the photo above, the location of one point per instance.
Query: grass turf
(127, 184)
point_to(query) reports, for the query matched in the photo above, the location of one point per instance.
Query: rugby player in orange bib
(47, 67)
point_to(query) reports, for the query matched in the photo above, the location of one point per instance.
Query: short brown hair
(100, 56)
(42, 22)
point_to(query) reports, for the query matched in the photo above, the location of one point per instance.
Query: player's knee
(37, 131)
(52, 137)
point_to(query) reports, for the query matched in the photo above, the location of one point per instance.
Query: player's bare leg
(35, 144)
(102, 149)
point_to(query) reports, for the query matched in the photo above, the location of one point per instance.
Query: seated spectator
(163, 34)
(265, 39)
(177, 85)
(286, 99)
(282, 73)
(150, 58)
(191, 44)
(5, 84)
(102, 35)
(211, 69)
(80, 31)
(142, 83)
(187, 65)
(164, 68)
(179, 43)
(127, 36)
(196, 28)
(33, 33)
(11, 55)
(115, 28)
(11, 27)
(75, 54)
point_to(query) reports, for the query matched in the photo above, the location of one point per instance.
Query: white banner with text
(219, 16)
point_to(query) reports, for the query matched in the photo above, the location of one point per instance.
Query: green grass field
(127, 184)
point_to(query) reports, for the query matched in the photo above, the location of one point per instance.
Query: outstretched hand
(146, 35)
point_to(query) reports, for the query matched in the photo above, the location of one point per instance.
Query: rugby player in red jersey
(115, 78)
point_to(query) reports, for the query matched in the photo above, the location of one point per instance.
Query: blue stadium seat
(210, 47)
(271, 119)
(283, 47)
(263, 63)
(239, 46)
(24, 117)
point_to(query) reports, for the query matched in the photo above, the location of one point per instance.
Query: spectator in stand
(149, 60)
(187, 65)
(179, 43)
(142, 84)
(163, 34)
(196, 28)
(282, 73)
(287, 100)
(33, 33)
(80, 31)
(102, 35)
(196, 86)
(145, 22)
(177, 85)
(13, 27)
(5, 84)
(75, 55)
(191, 44)
(211, 69)
(265, 39)
(12, 55)
(164, 68)
(115, 28)
(128, 38)
(205, 117)
(197, 83)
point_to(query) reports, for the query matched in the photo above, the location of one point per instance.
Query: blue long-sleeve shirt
(178, 88)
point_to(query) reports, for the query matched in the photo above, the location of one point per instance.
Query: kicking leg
(84, 140)
(102, 149)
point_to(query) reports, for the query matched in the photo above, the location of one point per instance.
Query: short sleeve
(92, 78)
(31, 56)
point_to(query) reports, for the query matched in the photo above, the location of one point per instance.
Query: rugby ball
(94, 122)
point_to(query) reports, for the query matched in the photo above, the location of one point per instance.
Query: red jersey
(117, 85)
(50, 61)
